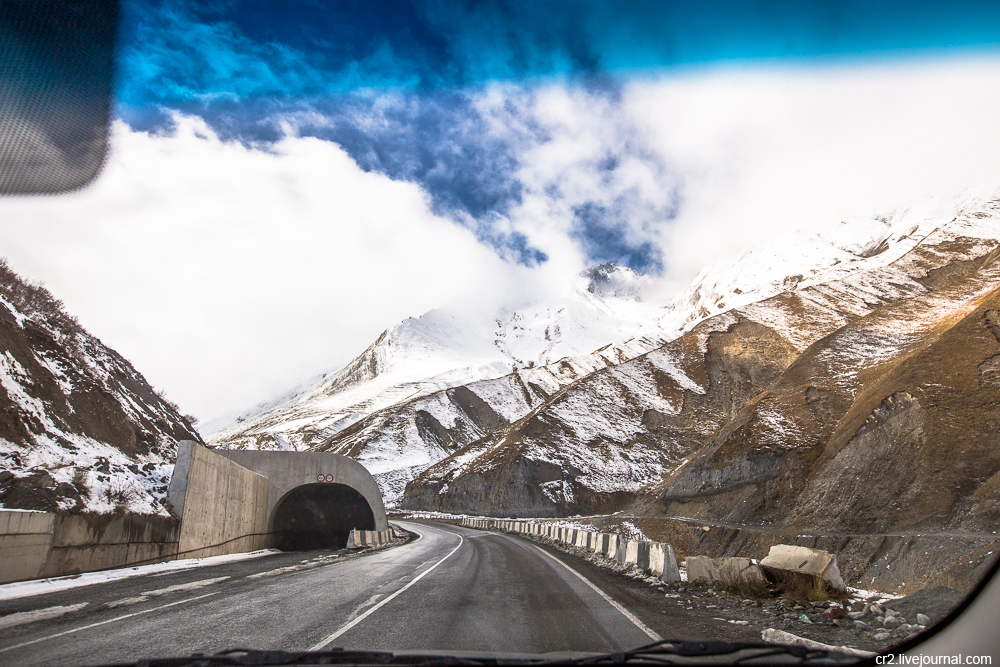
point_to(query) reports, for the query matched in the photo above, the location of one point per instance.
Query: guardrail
(369, 538)
(655, 558)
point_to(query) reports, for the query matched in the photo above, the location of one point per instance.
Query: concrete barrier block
(725, 571)
(784, 560)
(631, 552)
(614, 543)
(642, 556)
(663, 562)
(606, 546)
(621, 551)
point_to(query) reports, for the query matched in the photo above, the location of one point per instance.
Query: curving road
(453, 588)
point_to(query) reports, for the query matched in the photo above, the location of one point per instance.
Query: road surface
(454, 588)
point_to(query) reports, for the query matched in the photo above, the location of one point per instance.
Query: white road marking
(22, 617)
(370, 601)
(145, 595)
(304, 565)
(110, 620)
(629, 615)
(389, 599)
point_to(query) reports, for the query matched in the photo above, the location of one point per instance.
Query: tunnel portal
(320, 516)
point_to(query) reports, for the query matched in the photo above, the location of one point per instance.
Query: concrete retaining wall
(654, 558)
(39, 544)
(223, 505)
(88, 542)
(25, 540)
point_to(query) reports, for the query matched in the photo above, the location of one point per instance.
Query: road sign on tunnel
(324, 478)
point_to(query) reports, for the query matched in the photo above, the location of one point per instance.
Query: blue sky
(397, 83)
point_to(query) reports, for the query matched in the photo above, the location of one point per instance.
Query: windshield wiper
(665, 652)
(253, 658)
(676, 651)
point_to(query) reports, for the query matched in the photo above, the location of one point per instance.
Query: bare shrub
(120, 493)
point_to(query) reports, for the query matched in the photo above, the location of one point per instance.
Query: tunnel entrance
(320, 516)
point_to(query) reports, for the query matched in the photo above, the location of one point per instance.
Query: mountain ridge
(80, 428)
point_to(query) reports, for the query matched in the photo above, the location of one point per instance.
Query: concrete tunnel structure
(287, 500)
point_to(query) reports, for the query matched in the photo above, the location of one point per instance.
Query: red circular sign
(320, 478)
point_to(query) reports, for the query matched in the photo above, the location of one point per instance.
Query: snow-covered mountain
(602, 320)
(440, 381)
(880, 356)
(80, 428)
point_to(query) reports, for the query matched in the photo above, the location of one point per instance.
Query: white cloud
(227, 274)
(748, 152)
(764, 151)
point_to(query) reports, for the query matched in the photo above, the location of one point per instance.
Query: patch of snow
(23, 589)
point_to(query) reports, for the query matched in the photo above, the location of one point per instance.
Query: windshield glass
(511, 327)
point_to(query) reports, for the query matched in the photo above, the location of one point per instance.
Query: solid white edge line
(110, 620)
(629, 615)
(389, 599)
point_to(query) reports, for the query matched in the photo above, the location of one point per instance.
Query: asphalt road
(453, 588)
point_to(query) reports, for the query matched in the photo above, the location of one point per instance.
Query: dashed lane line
(110, 620)
(145, 595)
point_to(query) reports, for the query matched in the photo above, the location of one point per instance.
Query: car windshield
(541, 328)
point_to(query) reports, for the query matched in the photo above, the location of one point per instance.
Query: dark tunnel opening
(320, 516)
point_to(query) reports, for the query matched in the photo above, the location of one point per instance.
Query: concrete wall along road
(25, 540)
(88, 542)
(223, 505)
(655, 558)
(39, 544)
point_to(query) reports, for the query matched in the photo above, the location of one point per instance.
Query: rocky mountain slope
(442, 384)
(80, 428)
(433, 383)
(786, 409)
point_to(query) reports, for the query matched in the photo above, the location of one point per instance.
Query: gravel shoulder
(697, 612)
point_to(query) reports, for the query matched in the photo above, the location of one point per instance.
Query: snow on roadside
(22, 589)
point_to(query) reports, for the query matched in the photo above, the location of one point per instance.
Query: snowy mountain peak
(611, 280)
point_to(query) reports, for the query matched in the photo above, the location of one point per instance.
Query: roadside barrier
(369, 538)
(655, 558)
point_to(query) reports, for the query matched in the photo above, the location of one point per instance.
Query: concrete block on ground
(725, 571)
(642, 555)
(611, 545)
(785, 560)
(353, 540)
(621, 550)
(663, 562)
(632, 552)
